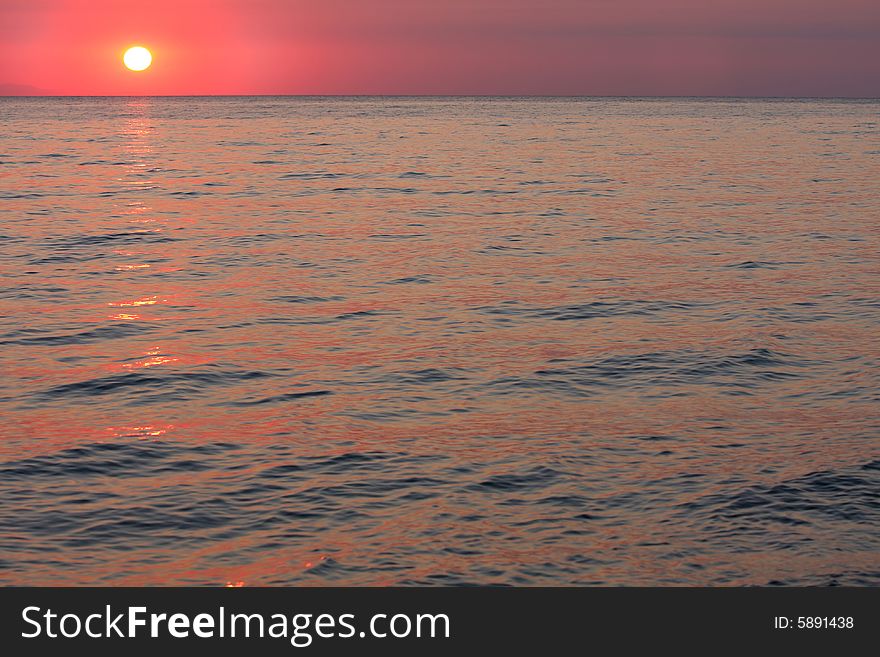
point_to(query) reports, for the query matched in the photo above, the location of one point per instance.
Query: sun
(137, 58)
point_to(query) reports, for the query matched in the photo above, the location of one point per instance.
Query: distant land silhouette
(10, 89)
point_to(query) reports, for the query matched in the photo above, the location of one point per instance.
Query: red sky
(588, 47)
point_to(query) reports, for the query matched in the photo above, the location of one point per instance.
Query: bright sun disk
(137, 58)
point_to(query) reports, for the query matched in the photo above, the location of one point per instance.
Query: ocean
(439, 341)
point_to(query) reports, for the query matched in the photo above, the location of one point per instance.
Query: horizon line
(453, 95)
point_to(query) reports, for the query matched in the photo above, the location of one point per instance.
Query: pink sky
(580, 47)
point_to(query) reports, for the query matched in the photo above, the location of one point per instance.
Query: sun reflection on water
(144, 432)
(143, 301)
(152, 361)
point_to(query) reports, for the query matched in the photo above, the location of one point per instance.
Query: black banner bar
(339, 621)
